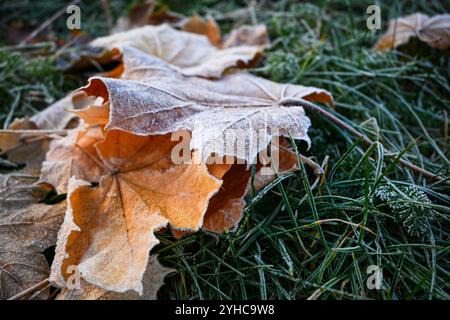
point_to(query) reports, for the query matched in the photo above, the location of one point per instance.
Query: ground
(300, 238)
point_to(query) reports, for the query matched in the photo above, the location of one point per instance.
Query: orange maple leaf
(108, 231)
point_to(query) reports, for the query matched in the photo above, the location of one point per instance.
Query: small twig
(48, 22)
(310, 106)
(36, 287)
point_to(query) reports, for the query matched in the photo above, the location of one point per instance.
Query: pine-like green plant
(411, 206)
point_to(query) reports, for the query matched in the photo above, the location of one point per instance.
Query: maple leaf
(116, 170)
(65, 156)
(190, 53)
(170, 102)
(250, 92)
(434, 31)
(152, 280)
(56, 116)
(149, 14)
(145, 14)
(108, 229)
(226, 207)
(153, 98)
(26, 229)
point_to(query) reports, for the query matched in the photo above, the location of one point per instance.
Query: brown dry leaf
(30, 152)
(74, 155)
(26, 229)
(190, 53)
(108, 229)
(137, 16)
(153, 98)
(152, 280)
(247, 35)
(177, 98)
(226, 207)
(207, 27)
(288, 161)
(434, 31)
(84, 56)
(24, 148)
(56, 117)
(145, 14)
(164, 15)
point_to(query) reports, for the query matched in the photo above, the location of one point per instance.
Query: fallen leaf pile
(115, 162)
(435, 31)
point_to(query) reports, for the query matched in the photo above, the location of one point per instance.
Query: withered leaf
(26, 229)
(9, 140)
(153, 98)
(190, 53)
(30, 151)
(56, 116)
(65, 156)
(152, 280)
(226, 207)
(434, 31)
(121, 182)
(288, 162)
(108, 229)
(137, 16)
(207, 27)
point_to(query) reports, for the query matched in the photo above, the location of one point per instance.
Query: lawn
(302, 237)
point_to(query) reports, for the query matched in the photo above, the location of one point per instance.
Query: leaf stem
(311, 106)
(36, 287)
